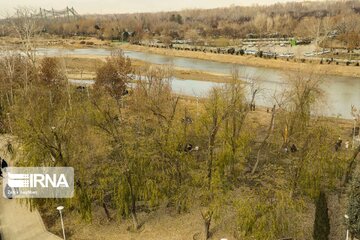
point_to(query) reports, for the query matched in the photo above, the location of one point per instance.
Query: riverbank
(282, 64)
(84, 67)
(247, 60)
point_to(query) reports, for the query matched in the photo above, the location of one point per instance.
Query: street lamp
(347, 229)
(60, 208)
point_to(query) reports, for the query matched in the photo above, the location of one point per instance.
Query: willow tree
(223, 118)
(236, 133)
(139, 141)
(299, 102)
(42, 116)
(45, 124)
(158, 113)
(268, 214)
(16, 74)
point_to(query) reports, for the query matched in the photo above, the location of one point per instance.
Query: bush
(353, 209)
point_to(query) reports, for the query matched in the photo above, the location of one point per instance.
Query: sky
(125, 6)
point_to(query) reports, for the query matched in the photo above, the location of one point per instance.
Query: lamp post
(347, 229)
(60, 208)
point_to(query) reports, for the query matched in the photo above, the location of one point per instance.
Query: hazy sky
(125, 6)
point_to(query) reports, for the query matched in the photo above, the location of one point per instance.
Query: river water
(340, 92)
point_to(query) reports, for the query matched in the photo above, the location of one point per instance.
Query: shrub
(353, 209)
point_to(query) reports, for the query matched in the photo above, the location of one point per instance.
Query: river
(340, 92)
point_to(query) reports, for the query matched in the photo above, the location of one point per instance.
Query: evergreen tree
(321, 223)
(354, 206)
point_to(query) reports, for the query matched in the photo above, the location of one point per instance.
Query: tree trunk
(207, 229)
(299, 169)
(133, 203)
(264, 141)
(350, 167)
(207, 217)
(210, 161)
(211, 152)
(135, 220)
(107, 212)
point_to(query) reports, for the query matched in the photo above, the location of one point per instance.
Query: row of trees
(133, 150)
(313, 20)
(136, 144)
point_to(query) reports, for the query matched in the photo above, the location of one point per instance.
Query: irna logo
(38, 182)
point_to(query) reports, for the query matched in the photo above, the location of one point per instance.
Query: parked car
(286, 55)
(323, 52)
(251, 52)
(269, 54)
(309, 54)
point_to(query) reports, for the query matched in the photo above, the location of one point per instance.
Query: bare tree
(26, 27)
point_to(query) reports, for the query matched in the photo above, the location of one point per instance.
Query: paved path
(16, 220)
(18, 223)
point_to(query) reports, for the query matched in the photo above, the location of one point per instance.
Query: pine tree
(354, 206)
(321, 223)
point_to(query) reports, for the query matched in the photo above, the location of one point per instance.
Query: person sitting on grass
(338, 144)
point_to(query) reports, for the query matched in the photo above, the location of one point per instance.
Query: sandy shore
(84, 67)
(351, 71)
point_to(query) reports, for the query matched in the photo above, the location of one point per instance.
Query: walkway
(18, 223)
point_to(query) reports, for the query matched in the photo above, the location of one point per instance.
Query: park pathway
(17, 222)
